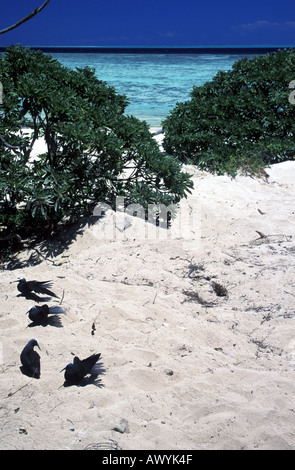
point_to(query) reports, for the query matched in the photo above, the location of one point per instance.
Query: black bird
(27, 287)
(76, 371)
(39, 314)
(30, 359)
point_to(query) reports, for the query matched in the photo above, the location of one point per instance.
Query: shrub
(242, 113)
(90, 145)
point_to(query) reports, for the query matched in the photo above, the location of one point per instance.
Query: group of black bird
(76, 371)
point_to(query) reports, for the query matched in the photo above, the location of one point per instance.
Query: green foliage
(94, 152)
(242, 117)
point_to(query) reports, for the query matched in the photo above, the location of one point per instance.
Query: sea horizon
(142, 48)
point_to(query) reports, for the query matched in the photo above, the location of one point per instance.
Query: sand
(182, 367)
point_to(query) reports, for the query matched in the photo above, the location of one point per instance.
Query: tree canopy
(242, 117)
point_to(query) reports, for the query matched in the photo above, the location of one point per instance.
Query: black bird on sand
(26, 288)
(40, 315)
(76, 371)
(30, 359)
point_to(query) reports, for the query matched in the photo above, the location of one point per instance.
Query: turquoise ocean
(153, 83)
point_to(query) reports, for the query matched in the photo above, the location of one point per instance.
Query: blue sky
(150, 23)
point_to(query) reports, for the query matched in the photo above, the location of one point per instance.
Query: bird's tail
(44, 288)
(96, 368)
(36, 373)
(45, 283)
(56, 310)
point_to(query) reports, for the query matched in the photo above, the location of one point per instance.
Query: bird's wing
(77, 360)
(30, 359)
(90, 362)
(41, 287)
(38, 286)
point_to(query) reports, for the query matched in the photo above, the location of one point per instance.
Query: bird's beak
(11, 282)
(65, 367)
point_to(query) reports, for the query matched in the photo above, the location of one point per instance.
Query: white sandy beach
(183, 368)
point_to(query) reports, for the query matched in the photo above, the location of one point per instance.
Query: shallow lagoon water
(153, 83)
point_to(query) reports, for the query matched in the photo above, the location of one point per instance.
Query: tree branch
(6, 144)
(26, 18)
